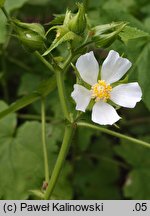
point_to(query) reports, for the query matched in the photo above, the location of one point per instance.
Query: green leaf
(33, 27)
(96, 173)
(63, 189)
(21, 159)
(58, 19)
(22, 154)
(8, 124)
(43, 90)
(143, 74)
(27, 85)
(59, 40)
(84, 138)
(130, 33)
(121, 5)
(117, 12)
(3, 30)
(2, 2)
(19, 104)
(11, 5)
(38, 2)
(137, 182)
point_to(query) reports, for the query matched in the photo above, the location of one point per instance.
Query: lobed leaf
(22, 162)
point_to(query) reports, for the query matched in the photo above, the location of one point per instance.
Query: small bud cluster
(78, 23)
(73, 28)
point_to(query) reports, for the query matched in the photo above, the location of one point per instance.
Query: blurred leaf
(147, 23)
(143, 74)
(11, 5)
(43, 90)
(3, 30)
(58, 20)
(119, 11)
(8, 124)
(122, 5)
(137, 183)
(2, 2)
(27, 85)
(84, 139)
(61, 6)
(19, 104)
(129, 33)
(38, 2)
(64, 189)
(96, 174)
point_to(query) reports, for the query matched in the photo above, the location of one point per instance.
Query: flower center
(101, 91)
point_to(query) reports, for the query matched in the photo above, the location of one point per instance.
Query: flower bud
(67, 18)
(31, 35)
(78, 22)
(31, 40)
(104, 35)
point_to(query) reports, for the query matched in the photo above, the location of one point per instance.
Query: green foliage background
(98, 166)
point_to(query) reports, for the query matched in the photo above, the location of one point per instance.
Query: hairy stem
(62, 96)
(46, 167)
(45, 62)
(59, 163)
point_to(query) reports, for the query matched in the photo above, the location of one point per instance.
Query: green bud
(104, 35)
(31, 35)
(31, 40)
(78, 22)
(67, 18)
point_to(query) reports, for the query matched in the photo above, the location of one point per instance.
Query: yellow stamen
(101, 91)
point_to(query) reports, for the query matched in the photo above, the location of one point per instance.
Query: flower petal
(114, 67)
(104, 114)
(126, 95)
(88, 68)
(82, 97)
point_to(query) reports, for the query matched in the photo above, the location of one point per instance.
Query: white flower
(113, 69)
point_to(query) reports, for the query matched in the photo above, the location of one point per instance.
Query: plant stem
(44, 140)
(113, 133)
(6, 14)
(59, 163)
(45, 62)
(68, 129)
(61, 92)
(67, 62)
